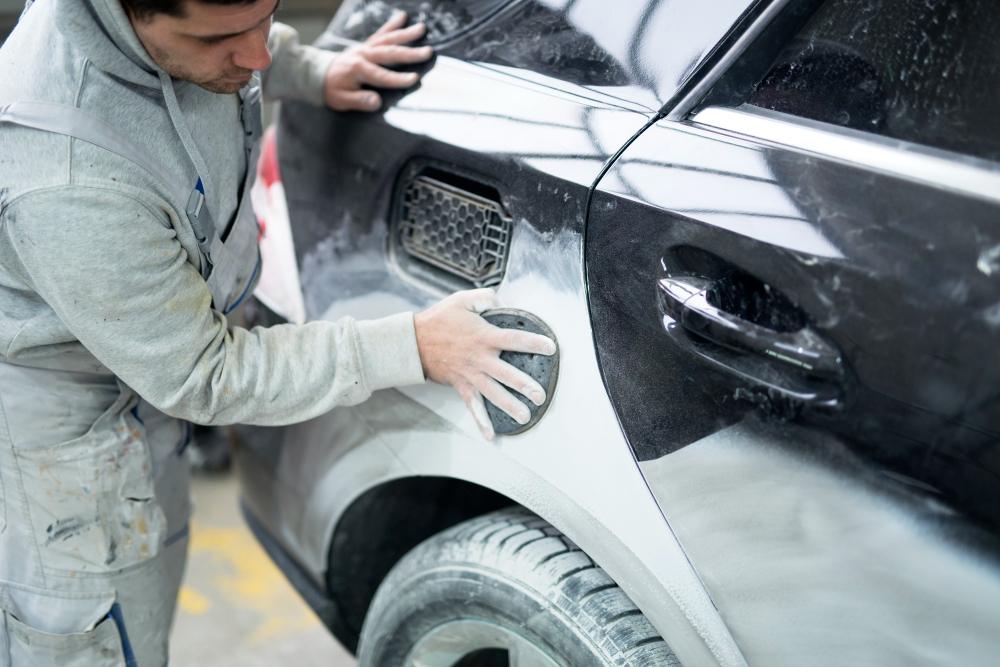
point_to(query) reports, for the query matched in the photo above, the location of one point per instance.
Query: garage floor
(236, 608)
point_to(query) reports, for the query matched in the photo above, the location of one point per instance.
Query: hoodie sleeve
(296, 71)
(122, 284)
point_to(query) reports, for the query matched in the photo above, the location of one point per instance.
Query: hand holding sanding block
(544, 369)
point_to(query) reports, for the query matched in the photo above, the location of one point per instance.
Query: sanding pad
(545, 370)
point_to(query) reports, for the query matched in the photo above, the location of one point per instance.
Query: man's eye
(212, 40)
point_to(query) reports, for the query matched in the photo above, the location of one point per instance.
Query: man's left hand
(364, 64)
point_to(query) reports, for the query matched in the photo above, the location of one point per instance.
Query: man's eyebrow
(221, 36)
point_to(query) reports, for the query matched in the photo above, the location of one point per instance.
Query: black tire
(512, 571)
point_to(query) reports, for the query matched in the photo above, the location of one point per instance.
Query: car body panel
(639, 55)
(747, 517)
(868, 529)
(774, 217)
(811, 560)
(577, 473)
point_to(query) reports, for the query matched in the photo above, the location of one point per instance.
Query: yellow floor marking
(248, 580)
(193, 602)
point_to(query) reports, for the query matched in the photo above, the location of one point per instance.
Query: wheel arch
(372, 480)
(384, 523)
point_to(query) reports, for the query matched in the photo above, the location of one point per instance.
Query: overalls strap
(79, 124)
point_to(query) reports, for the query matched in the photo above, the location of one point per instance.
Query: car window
(924, 71)
(444, 18)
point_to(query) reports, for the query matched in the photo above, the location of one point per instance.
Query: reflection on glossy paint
(657, 44)
(735, 190)
(638, 55)
(550, 132)
(875, 578)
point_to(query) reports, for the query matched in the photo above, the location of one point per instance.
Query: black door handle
(799, 364)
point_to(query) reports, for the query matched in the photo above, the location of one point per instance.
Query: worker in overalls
(127, 138)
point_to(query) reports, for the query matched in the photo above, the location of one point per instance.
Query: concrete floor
(236, 609)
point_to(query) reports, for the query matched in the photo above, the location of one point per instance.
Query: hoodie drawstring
(180, 125)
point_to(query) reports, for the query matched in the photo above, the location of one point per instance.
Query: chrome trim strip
(940, 168)
(683, 108)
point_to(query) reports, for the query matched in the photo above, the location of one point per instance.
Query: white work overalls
(95, 530)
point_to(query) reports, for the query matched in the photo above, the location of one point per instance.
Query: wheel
(505, 589)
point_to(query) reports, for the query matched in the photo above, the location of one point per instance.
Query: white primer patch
(989, 261)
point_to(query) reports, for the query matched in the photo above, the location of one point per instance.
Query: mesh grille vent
(454, 230)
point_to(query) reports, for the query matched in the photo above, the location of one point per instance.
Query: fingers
(355, 100)
(474, 401)
(394, 36)
(396, 21)
(523, 341)
(397, 55)
(517, 380)
(476, 300)
(503, 399)
(381, 77)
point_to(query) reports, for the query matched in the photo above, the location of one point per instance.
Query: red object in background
(268, 171)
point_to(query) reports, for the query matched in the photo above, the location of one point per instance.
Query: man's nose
(251, 52)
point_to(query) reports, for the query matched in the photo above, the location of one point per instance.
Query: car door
(794, 282)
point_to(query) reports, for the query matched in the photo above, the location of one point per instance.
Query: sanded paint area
(235, 607)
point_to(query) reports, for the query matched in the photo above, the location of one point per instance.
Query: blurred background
(235, 607)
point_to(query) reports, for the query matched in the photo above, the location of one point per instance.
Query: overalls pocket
(100, 647)
(93, 638)
(91, 499)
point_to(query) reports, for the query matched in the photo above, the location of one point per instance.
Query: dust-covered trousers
(93, 530)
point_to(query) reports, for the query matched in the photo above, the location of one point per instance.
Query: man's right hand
(459, 348)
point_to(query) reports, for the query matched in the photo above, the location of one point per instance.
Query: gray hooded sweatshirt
(100, 292)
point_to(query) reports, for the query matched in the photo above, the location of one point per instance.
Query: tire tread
(560, 571)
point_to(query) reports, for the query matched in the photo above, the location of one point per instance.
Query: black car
(766, 235)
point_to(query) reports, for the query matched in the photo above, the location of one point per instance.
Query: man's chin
(224, 86)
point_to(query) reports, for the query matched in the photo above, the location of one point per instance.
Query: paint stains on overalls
(93, 530)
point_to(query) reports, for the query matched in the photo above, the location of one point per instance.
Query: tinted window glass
(925, 71)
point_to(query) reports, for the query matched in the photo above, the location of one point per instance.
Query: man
(126, 135)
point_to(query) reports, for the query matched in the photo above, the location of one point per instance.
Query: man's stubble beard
(176, 70)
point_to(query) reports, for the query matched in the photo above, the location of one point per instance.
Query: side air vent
(451, 225)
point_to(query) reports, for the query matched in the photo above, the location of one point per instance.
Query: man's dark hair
(145, 9)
